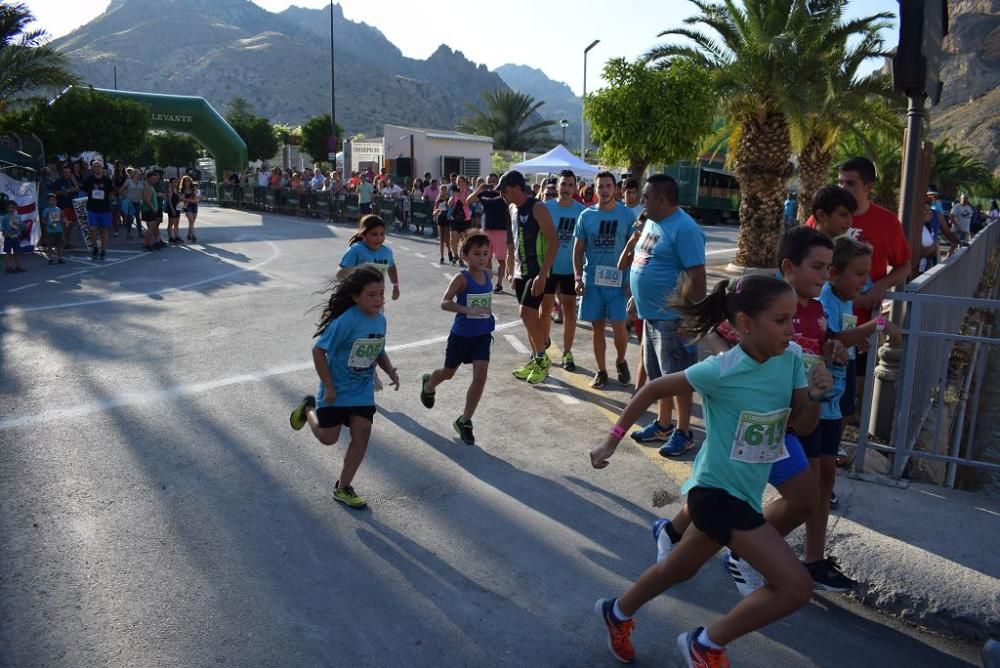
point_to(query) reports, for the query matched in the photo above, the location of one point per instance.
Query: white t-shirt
(263, 179)
(962, 213)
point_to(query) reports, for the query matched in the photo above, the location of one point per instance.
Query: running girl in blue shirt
(367, 246)
(750, 395)
(470, 297)
(351, 342)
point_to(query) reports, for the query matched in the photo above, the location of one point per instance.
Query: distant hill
(560, 101)
(220, 49)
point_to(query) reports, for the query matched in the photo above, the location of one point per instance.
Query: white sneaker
(662, 539)
(745, 577)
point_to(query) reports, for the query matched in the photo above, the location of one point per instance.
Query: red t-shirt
(809, 324)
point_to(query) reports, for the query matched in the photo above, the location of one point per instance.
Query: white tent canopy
(556, 161)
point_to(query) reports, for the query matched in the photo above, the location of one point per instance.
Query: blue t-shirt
(746, 406)
(353, 343)
(665, 249)
(365, 190)
(481, 296)
(839, 317)
(52, 216)
(789, 208)
(605, 234)
(564, 219)
(359, 253)
(11, 229)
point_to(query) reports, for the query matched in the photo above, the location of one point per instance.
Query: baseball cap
(513, 178)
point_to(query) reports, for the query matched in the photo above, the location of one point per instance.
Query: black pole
(333, 97)
(116, 76)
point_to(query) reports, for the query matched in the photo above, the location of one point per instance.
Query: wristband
(617, 431)
(395, 285)
(880, 323)
(578, 277)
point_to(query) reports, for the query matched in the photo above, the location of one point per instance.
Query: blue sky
(548, 35)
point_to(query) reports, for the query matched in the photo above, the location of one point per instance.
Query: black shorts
(467, 349)
(825, 439)
(522, 291)
(849, 400)
(564, 284)
(716, 513)
(152, 217)
(442, 220)
(334, 416)
(460, 226)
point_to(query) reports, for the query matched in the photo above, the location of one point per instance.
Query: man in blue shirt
(565, 211)
(670, 244)
(601, 234)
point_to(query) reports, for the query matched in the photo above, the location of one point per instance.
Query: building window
(472, 169)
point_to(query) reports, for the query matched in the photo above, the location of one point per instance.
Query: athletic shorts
(563, 284)
(498, 244)
(191, 208)
(467, 349)
(600, 303)
(795, 463)
(460, 226)
(334, 416)
(848, 400)
(365, 208)
(99, 219)
(10, 246)
(442, 220)
(664, 351)
(152, 216)
(825, 439)
(522, 291)
(717, 513)
(69, 214)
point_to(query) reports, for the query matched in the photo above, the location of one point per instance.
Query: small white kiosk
(440, 152)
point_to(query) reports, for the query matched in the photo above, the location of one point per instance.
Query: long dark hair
(748, 294)
(343, 292)
(366, 224)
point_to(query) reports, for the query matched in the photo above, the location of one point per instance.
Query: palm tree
(239, 108)
(28, 65)
(882, 144)
(506, 118)
(954, 170)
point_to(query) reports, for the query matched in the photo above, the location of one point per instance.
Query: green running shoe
(426, 398)
(546, 361)
(463, 427)
(298, 417)
(569, 364)
(539, 373)
(348, 496)
(525, 371)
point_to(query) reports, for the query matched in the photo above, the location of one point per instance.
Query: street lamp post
(333, 97)
(564, 124)
(583, 120)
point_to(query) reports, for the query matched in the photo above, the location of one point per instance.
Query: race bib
(382, 268)
(55, 217)
(850, 321)
(810, 360)
(483, 301)
(364, 352)
(608, 277)
(760, 437)
(96, 194)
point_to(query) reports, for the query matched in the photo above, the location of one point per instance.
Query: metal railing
(938, 305)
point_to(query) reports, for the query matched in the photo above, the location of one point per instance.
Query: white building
(439, 152)
(365, 153)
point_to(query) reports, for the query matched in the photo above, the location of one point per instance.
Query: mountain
(969, 112)
(280, 62)
(560, 101)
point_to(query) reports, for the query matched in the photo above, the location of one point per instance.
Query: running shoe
(677, 444)
(539, 372)
(699, 656)
(498, 289)
(93, 253)
(60, 261)
(461, 264)
(546, 361)
(426, 398)
(619, 641)
(441, 260)
(834, 500)
(298, 416)
(662, 539)
(991, 654)
(525, 371)
(557, 316)
(463, 427)
(746, 578)
(652, 433)
(569, 364)
(348, 496)
(103, 253)
(827, 576)
(624, 375)
(600, 379)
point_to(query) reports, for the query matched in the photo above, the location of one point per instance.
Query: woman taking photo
(190, 196)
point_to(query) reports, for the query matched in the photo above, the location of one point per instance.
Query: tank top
(481, 295)
(155, 199)
(529, 244)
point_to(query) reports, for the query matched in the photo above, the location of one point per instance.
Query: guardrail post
(900, 425)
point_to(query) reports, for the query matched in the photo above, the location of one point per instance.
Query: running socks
(703, 638)
(618, 614)
(672, 533)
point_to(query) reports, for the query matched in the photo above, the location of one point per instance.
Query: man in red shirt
(879, 228)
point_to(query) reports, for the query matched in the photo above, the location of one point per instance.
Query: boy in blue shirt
(10, 225)
(52, 218)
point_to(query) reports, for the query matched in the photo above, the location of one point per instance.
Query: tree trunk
(814, 169)
(761, 168)
(637, 167)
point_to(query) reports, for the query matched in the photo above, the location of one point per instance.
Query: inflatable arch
(196, 117)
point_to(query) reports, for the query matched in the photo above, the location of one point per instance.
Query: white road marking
(447, 275)
(421, 255)
(23, 287)
(133, 398)
(406, 248)
(567, 399)
(516, 344)
(720, 251)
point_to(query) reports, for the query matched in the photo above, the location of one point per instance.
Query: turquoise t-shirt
(353, 343)
(564, 218)
(746, 405)
(365, 190)
(359, 253)
(11, 228)
(666, 248)
(839, 317)
(53, 220)
(605, 234)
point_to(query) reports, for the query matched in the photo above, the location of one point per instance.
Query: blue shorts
(792, 465)
(467, 349)
(99, 220)
(600, 303)
(664, 350)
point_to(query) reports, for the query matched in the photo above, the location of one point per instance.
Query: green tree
(174, 149)
(633, 126)
(83, 119)
(316, 138)
(28, 65)
(258, 134)
(239, 108)
(955, 170)
(507, 117)
(882, 144)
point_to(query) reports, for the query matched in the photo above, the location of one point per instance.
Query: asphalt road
(157, 510)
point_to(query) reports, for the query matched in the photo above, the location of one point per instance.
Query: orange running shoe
(618, 632)
(699, 656)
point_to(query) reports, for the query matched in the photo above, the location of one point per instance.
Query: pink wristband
(880, 323)
(617, 431)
